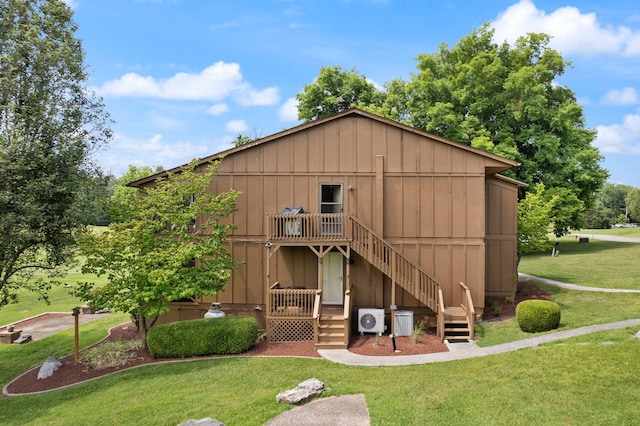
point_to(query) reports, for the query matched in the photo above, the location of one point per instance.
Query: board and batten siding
(434, 207)
(501, 238)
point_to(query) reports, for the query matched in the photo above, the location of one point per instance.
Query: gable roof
(495, 163)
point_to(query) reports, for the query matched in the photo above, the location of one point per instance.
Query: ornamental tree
(170, 247)
(50, 125)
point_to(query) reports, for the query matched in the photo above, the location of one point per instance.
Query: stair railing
(348, 305)
(393, 264)
(317, 312)
(467, 304)
(440, 314)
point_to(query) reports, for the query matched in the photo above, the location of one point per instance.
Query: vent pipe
(343, 106)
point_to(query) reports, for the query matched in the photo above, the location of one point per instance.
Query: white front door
(332, 284)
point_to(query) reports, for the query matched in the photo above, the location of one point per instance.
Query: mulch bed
(69, 374)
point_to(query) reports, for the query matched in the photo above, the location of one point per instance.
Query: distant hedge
(538, 315)
(228, 335)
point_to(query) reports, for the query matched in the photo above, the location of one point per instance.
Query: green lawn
(621, 232)
(593, 264)
(578, 309)
(579, 381)
(59, 297)
(584, 380)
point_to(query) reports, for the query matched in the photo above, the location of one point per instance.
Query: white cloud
(620, 138)
(152, 151)
(237, 126)
(218, 109)
(268, 96)
(214, 83)
(289, 110)
(571, 30)
(375, 84)
(626, 96)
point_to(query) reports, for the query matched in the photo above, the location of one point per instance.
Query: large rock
(305, 391)
(25, 338)
(50, 365)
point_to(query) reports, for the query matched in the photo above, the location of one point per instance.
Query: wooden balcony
(307, 227)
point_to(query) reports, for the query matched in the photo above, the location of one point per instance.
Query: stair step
(331, 332)
(330, 346)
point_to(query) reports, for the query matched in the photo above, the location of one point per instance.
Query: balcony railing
(307, 226)
(291, 302)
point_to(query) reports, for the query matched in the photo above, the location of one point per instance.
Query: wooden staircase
(456, 326)
(390, 262)
(332, 332)
(454, 323)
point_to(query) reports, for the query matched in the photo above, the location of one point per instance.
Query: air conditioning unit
(371, 321)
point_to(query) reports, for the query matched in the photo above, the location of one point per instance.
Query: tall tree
(122, 199)
(242, 140)
(612, 203)
(633, 205)
(169, 247)
(507, 100)
(50, 125)
(334, 88)
(503, 99)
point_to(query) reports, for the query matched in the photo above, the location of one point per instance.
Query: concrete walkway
(48, 326)
(462, 350)
(574, 286)
(609, 238)
(465, 350)
(457, 351)
(352, 409)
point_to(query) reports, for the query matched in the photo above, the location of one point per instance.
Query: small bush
(110, 354)
(537, 315)
(228, 335)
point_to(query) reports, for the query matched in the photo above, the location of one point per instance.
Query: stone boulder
(50, 365)
(25, 338)
(309, 389)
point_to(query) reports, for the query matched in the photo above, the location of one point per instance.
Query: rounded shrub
(228, 335)
(537, 315)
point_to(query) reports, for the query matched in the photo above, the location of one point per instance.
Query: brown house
(354, 223)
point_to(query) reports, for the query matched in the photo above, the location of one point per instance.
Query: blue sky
(181, 78)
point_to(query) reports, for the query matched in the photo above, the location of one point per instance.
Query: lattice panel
(281, 330)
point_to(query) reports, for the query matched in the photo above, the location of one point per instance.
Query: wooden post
(76, 351)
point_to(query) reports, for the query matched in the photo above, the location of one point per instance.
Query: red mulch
(525, 291)
(69, 374)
